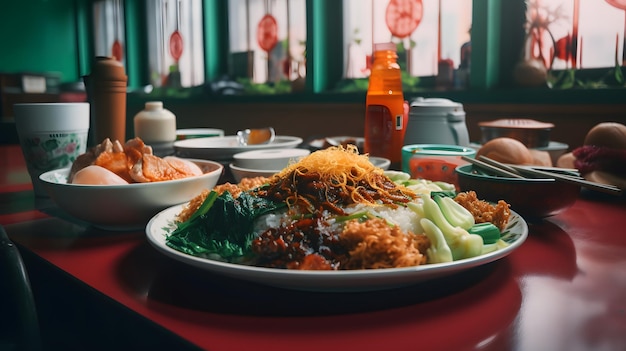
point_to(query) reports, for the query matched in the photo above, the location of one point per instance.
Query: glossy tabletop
(563, 289)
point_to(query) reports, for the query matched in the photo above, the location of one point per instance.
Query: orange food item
(483, 211)
(134, 162)
(374, 244)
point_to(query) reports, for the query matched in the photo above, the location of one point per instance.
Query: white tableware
(380, 162)
(127, 206)
(336, 281)
(224, 148)
(239, 173)
(269, 159)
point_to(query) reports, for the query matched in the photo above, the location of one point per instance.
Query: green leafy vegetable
(461, 243)
(488, 231)
(456, 214)
(222, 225)
(438, 251)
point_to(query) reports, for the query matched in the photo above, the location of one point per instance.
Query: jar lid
(154, 105)
(516, 123)
(108, 68)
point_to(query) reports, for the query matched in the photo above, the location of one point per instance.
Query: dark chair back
(19, 325)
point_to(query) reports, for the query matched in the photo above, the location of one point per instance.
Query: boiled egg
(96, 175)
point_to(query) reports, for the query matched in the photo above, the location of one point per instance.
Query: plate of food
(318, 234)
(225, 147)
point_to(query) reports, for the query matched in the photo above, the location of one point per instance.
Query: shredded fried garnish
(234, 189)
(375, 244)
(192, 206)
(335, 177)
(484, 211)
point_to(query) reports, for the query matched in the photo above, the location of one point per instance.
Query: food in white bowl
(133, 162)
(126, 206)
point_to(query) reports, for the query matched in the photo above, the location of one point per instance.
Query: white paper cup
(51, 135)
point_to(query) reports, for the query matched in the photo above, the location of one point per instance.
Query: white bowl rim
(66, 170)
(251, 170)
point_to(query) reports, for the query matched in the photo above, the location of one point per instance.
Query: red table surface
(563, 289)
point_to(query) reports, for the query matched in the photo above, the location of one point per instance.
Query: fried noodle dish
(332, 210)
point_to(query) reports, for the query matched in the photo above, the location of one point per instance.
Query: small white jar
(155, 124)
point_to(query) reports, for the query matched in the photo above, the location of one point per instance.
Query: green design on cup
(52, 151)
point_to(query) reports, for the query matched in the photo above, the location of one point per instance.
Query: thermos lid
(434, 106)
(108, 69)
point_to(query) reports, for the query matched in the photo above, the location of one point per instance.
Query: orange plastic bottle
(385, 116)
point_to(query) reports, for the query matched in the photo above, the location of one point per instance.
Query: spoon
(256, 136)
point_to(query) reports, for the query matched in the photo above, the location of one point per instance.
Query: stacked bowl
(264, 163)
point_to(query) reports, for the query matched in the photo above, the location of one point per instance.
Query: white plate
(336, 281)
(223, 148)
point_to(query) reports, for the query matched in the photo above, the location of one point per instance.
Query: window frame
(498, 26)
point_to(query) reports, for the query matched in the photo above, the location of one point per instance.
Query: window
(429, 34)
(262, 44)
(108, 27)
(175, 43)
(577, 34)
(268, 44)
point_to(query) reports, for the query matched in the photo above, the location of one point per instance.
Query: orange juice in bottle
(385, 116)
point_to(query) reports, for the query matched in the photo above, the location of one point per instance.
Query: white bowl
(240, 173)
(380, 162)
(128, 206)
(224, 148)
(269, 158)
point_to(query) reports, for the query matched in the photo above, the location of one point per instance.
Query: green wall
(39, 36)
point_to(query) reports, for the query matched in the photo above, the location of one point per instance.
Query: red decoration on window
(116, 50)
(176, 45)
(267, 33)
(563, 49)
(403, 16)
(620, 4)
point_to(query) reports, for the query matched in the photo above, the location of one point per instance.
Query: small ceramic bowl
(435, 162)
(531, 198)
(240, 173)
(268, 158)
(127, 206)
(380, 162)
(533, 134)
